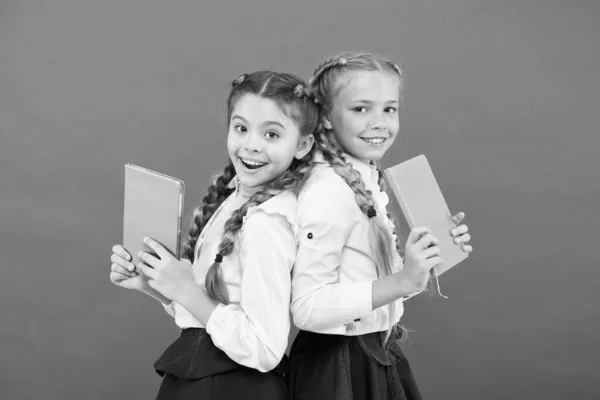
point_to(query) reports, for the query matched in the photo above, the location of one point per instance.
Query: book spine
(400, 198)
(180, 219)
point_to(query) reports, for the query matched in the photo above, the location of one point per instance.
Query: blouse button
(310, 235)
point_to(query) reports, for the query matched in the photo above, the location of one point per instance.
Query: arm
(392, 287)
(255, 332)
(327, 213)
(157, 296)
(319, 300)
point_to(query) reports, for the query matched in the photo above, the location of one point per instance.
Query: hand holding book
(423, 205)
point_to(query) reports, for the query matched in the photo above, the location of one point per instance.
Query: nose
(253, 143)
(378, 121)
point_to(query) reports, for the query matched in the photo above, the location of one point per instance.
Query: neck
(370, 163)
(249, 191)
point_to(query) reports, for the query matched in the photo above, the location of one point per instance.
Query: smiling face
(364, 113)
(262, 141)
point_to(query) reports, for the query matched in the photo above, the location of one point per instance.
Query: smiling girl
(349, 281)
(231, 295)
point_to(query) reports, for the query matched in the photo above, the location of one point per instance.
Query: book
(153, 204)
(420, 198)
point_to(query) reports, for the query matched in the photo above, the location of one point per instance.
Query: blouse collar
(244, 190)
(367, 171)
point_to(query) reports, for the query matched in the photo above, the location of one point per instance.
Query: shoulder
(278, 210)
(325, 190)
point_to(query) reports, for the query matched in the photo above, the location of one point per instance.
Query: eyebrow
(265, 123)
(274, 123)
(370, 102)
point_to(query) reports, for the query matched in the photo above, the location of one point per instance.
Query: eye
(240, 128)
(391, 110)
(360, 109)
(271, 135)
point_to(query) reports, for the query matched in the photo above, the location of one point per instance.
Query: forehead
(257, 109)
(368, 85)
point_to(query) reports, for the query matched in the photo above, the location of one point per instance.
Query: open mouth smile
(251, 164)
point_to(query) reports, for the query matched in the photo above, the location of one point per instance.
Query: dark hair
(297, 103)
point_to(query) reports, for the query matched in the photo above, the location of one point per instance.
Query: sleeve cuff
(218, 321)
(359, 301)
(413, 294)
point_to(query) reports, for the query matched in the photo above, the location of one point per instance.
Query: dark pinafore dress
(194, 368)
(337, 367)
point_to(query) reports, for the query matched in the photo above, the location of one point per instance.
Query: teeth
(251, 163)
(374, 140)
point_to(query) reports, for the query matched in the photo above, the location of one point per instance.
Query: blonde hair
(324, 86)
(323, 83)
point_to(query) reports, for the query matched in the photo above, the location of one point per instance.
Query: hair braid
(290, 179)
(380, 240)
(216, 194)
(364, 199)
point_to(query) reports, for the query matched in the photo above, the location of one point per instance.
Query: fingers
(149, 259)
(458, 217)
(430, 252)
(459, 230)
(147, 270)
(117, 278)
(426, 241)
(416, 233)
(462, 238)
(158, 248)
(116, 259)
(434, 262)
(121, 252)
(122, 270)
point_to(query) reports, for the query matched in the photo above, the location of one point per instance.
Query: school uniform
(338, 353)
(240, 353)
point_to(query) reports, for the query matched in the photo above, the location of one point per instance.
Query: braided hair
(296, 101)
(324, 84)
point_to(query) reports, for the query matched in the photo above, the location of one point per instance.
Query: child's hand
(421, 254)
(123, 272)
(460, 235)
(170, 277)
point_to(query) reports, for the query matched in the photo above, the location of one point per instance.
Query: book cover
(152, 207)
(422, 203)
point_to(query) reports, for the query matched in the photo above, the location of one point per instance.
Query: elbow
(269, 361)
(303, 316)
(302, 321)
(267, 366)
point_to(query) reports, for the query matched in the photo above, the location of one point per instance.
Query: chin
(371, 156)
(249, 182)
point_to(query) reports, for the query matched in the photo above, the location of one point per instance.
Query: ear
(304, 145)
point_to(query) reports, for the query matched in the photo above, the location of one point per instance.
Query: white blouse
(334, 270)
(253, 328)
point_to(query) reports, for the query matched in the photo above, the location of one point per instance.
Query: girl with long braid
(231, 294)
(349, 280)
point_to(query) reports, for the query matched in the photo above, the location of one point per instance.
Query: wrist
(409, 282)
(198, 303)
(155, 295)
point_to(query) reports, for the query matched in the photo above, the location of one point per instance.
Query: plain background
(502, 96)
